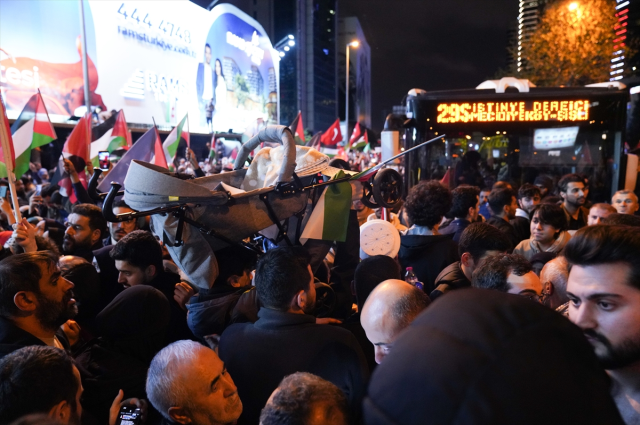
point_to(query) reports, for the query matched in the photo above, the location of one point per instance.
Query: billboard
(155, 60)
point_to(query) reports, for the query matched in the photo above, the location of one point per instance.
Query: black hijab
(135, 322)
(483, 357)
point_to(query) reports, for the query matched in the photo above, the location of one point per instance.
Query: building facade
(627, 28)
(529, 15)
(359, 72)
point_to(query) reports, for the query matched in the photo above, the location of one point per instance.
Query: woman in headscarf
(132, 329)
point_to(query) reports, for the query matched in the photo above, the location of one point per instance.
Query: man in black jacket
(422, 246)
(138, 258)
(286, 339)
(464, 210)
(503, 206)
(478, 241)
(35, 300)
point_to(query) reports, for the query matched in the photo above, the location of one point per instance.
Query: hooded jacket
(481, 357)
(132, 329)
(428, 255)
(530, 247)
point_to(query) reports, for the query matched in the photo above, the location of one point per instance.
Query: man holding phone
(51, 368)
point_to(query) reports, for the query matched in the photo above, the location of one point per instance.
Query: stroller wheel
(387, 188)
(367, 196)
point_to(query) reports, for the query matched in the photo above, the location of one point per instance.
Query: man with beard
(35, 301)
(604, 294)
(572, 190)
(85, 226)
(286, 338)
(106, 265)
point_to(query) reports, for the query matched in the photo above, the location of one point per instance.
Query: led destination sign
(556, 110)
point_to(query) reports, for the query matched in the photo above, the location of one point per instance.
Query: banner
(159, 60)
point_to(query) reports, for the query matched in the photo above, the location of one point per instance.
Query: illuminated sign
(157, 60)
(521, 111)
(554, 138)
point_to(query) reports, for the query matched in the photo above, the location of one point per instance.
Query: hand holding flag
(8, 158)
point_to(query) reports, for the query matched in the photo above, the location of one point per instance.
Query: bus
(520, 132)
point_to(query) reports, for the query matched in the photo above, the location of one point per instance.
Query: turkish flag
(333, 135)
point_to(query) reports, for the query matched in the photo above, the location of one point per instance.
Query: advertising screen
(156, 60)
(555, 138)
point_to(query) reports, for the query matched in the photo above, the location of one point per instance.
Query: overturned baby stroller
(197, 217)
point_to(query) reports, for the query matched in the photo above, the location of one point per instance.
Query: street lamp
(354, 44)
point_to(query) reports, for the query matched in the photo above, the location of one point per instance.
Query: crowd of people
(528, 312)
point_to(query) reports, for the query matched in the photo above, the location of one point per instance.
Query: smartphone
(103, 159)
(129, 415)
(38, 189)
(3, 191)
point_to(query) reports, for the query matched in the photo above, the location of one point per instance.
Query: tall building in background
(529, 15)
(308, 70)
(318, 67)
(627, 28)
(349, 29)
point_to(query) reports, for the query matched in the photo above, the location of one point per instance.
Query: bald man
(625, 202)
(554, 276)
(389, 309)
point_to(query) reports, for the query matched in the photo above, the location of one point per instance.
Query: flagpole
(85, 62)
(6, 150)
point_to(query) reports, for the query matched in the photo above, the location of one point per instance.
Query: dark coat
(106, 266)
(211, 311)
(455, 227)
(259, 355)
(583, 218)
(355, 327)
(452, 277)
(522, 227)
(13, 338)
(132, 329)
(505, 227)
(428, 255)
(483, 357)
(165, 282)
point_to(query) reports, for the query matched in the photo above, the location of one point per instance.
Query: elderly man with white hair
(188, 384)
(389, 309)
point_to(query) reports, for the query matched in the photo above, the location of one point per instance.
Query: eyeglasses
(547, 291)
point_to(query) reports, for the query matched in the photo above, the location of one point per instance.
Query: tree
(573, 44)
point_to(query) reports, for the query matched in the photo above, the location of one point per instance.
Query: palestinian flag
(5, 132)
(113, 139)
(32, 129)
(297, 129)
(212, 148)
(171, 143)
(330, 217)
(143, 150)
(330, 139)
(159, 158)
(356, 135)
(75, 150)
(361, 142)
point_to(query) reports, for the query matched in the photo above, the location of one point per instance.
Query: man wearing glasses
(604, 293)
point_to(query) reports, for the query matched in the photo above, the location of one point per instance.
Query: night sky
(431, 44)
